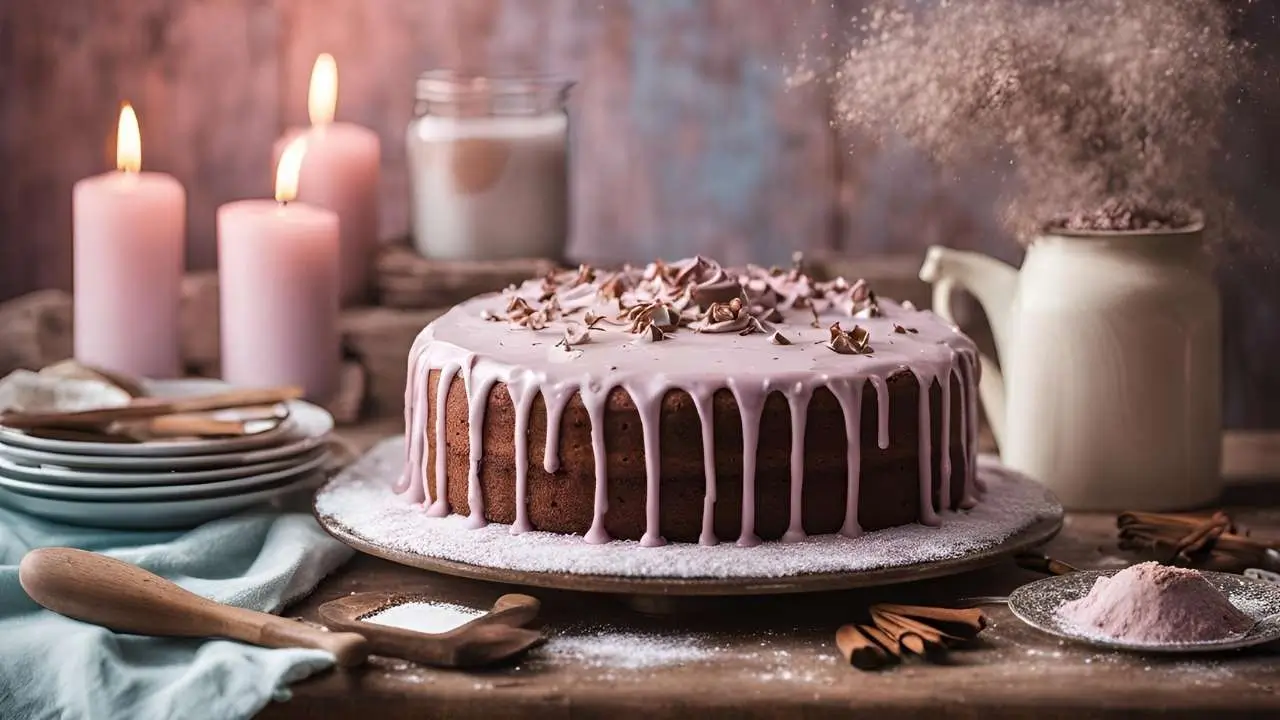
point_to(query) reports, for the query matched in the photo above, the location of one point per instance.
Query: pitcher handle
(991, 382)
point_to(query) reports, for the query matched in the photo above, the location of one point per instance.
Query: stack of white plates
(163, 483)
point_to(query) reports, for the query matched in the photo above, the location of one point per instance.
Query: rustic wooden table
(775, 657)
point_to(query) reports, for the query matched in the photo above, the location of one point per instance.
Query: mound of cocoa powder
(1154, 603)
(1117, 215)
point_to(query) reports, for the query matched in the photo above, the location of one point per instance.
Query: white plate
(175, 492)
(309, 430)
(148, 515)
(168, 448)
(44, 475)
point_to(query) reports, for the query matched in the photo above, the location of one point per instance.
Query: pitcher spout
(995, 285)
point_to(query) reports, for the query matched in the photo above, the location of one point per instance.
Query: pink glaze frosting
(696, 327)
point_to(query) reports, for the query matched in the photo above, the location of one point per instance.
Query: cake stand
(359, 508)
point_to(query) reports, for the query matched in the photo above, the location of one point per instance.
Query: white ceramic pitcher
(1110, 346)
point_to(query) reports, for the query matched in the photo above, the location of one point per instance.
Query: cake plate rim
(1033, 536)
(1039, 532)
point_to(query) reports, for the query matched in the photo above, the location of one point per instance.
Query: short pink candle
(129, 228)
(341, 173)
(278, 289)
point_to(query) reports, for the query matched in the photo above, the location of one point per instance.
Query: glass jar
(489, 166)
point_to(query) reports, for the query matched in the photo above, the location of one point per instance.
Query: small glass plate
(1037, 605)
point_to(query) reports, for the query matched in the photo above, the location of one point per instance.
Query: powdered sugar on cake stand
(360, 507)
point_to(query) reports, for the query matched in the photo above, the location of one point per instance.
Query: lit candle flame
(128, 141)
(322, 98)
(289, 169)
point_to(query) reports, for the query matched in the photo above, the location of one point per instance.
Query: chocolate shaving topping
(861, 338)
(549, 286)
(657, 313)
(659, 271)
(651, 333)
(685, 300)
(576, 334)
(724, 317)
(551, 308)
(591, 320)
(518, 305)
(534, 321)
(852, 342)
(614, 287)
(585, 275)
(696, 271)
(655, 301)
(724, 312)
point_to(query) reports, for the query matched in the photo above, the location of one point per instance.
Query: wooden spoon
(149, 408)
(114, 594)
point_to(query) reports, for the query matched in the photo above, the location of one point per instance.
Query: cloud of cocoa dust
(1092, 113)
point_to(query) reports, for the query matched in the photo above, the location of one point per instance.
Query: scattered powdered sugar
(625, 650)
(424, 617)
(361, 501)
(1154, 603)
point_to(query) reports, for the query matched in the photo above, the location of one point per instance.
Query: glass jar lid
(446, 92)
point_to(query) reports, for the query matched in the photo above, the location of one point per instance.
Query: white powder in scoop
(361, 501)
(424, 617)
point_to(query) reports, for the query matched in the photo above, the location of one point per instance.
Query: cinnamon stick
(964, 623)
(922, 641)
(882, 639)
(1211, 540)
(148, 408)
(896, 624)
(859, 650)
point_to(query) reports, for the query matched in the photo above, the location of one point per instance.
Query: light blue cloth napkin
(53, 667)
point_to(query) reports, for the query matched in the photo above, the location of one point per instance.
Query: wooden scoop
(496, 636)
(104, 591)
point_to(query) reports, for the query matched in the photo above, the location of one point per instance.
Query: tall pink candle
(278, 289)
(340, 173)
(129, 229)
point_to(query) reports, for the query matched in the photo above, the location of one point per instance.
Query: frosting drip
(702, 403)
(595, 398)
(798, 403)
(849, 395)
(697, 327)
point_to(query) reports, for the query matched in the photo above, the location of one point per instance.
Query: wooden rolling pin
(104, 591)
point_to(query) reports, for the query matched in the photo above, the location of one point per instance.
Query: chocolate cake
(687, 402)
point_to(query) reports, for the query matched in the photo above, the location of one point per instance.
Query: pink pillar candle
(128, 233)
(340, 173)
(278, 289)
